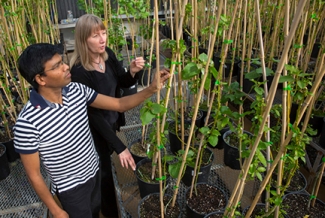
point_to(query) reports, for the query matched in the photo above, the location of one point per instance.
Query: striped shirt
(61, 135)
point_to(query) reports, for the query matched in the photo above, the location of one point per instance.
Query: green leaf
(286, 79)
(204, 130)
(261, 157)
(157, 108)
(259, 90)
(301, 84)
(278, 201)
(213, 140)
(253, 75)
(203, 57)
(147, 117)
(207, 84)
(268, 71)
(189, 71)
(173, 169)
(291, 68)
(213, 71)
(261, 169)
(259, 176)
(227, 41)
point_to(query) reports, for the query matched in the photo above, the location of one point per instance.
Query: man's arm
(131, 101)
(31, 164)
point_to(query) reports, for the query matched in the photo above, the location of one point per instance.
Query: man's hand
(136, 65)
(126, 159)
(163, 76)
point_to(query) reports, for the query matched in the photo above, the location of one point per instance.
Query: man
(53, 127)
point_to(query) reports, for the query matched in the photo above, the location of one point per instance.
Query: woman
(96, 66)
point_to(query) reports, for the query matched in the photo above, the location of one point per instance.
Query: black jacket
(98, 118)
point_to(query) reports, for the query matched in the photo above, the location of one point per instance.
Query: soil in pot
(207, 159)
(138, 151)
(4, 166)
(298, 183)
(205, 200)
(143, 174)
(297, 206)
(149, 206)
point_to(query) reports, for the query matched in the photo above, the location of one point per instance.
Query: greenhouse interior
(223, 114)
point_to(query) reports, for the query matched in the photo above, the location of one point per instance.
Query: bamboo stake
(265, 88)
(284, 110)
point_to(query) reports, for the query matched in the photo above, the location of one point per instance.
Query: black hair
(32, 60)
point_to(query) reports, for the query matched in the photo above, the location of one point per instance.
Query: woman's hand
(136, 65)
(126, 159)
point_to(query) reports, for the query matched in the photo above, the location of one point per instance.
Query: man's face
(56, 73)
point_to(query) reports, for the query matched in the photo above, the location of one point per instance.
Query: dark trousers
(82, 200)
(108, 198)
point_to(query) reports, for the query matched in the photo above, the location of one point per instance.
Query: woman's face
(96, 42)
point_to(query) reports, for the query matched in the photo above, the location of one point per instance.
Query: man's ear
(39, 79)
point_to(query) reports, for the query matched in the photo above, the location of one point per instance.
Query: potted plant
(4, 165)
(207, 198)
(149, 207)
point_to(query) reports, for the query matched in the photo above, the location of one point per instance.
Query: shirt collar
(39, 102)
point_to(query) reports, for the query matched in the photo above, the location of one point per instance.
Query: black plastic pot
(129, 42)
(12, 155)
(4, 165)
(152, 200)
(227, 65)
(288, 191)
(129, 91)
(203, 174)
(143, 77)
(191, 213)
(145, 188)
(322, 135)
(258, 207)
(247, 84)
(218, 214)
(136, 157)
(231, 153)
(315, 121)
(303, 202)
(302, 189)
(175, 143)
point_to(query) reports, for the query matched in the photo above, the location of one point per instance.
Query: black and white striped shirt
(61, 135)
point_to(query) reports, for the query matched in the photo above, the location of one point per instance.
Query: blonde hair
(85, 26)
